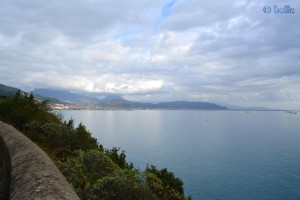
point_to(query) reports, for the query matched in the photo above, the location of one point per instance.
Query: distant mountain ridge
(66, 96)
(234, 107)
(8, 91)
(114, 101)
(191, 105)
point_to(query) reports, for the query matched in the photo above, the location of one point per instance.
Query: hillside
(7, 90)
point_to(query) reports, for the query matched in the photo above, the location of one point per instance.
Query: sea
(217, 154)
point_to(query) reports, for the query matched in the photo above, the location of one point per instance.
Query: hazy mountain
(190, 105)
(234, 107)
(114, 101)
(49, 99)
(7, 91)
(66, 96)
(113, 97)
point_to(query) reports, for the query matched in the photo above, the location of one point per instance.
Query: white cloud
(230, 51)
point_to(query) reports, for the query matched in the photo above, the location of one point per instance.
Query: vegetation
(94, 172)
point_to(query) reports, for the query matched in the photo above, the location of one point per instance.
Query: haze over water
(218, 154)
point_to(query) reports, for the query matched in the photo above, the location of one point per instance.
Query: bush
(22, 109)
(125, 185)
(98, 163)
(118, 158)
(168, 178)
(164, 184)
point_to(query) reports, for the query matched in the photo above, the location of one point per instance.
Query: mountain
(113, 98)
(114, 101)
(66, 96)
(234, 107)
(7, 90)
(49, 99)
(117, 102)
(124, 104)
(190, 105)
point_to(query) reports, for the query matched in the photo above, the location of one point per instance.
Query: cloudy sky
(155, 50)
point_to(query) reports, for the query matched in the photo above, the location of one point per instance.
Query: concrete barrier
(27, 171)
(5, 170)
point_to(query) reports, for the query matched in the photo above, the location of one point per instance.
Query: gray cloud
(154, 50)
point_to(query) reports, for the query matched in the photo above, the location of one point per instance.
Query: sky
(227, 51)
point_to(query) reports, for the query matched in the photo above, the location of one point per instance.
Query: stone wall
(27, 171)
(5, 170)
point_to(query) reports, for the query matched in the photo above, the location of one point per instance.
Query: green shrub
(125, 185)
(164, 184)
(98, 163)
(118, 158)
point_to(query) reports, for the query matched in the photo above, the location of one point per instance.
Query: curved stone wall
(5, 170)
(27, 171)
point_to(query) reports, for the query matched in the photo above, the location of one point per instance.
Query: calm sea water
(218, 154)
